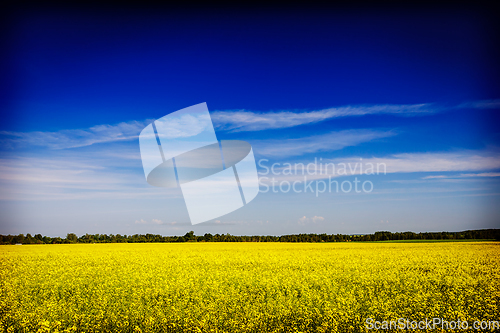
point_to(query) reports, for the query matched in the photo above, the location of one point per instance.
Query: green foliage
(484, 234)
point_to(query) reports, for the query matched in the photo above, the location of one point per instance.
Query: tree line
(71, 238)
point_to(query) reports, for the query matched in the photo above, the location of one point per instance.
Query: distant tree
(71, 238)
(189, 236)
(29, 239)
(19, 239)
(57, 240)
(311, 238)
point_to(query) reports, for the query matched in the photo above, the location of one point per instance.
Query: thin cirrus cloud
(159, 222)
(223, 120)
(485, 104)
(56, 173)
(242, 120)
(317, 143)
(465, 160)
(472, 163)
(74, 138)
(59, 178)
(466, 175)
(230, 121)
(307, 220)
(458, 161)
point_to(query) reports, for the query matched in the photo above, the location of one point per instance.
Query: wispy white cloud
(220, 223)
(465, 175)
(244, 120)
(241, 120)
(158, 222)
(179, 127)
(307, 220)
(73, 138)
(485, 104)
(51, 178)
(317, 143)
(465, 160)
(229, 120)
(128, 131)
(478, 161)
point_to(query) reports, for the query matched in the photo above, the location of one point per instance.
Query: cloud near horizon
(159, 222)
(307, 220)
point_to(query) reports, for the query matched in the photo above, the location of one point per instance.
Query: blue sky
(414, 89)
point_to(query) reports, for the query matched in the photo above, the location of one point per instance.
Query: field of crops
(244, 287)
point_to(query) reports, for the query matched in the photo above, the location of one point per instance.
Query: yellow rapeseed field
(244, 287)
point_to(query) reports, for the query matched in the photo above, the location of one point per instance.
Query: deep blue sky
(69, 68)
(75, 68)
